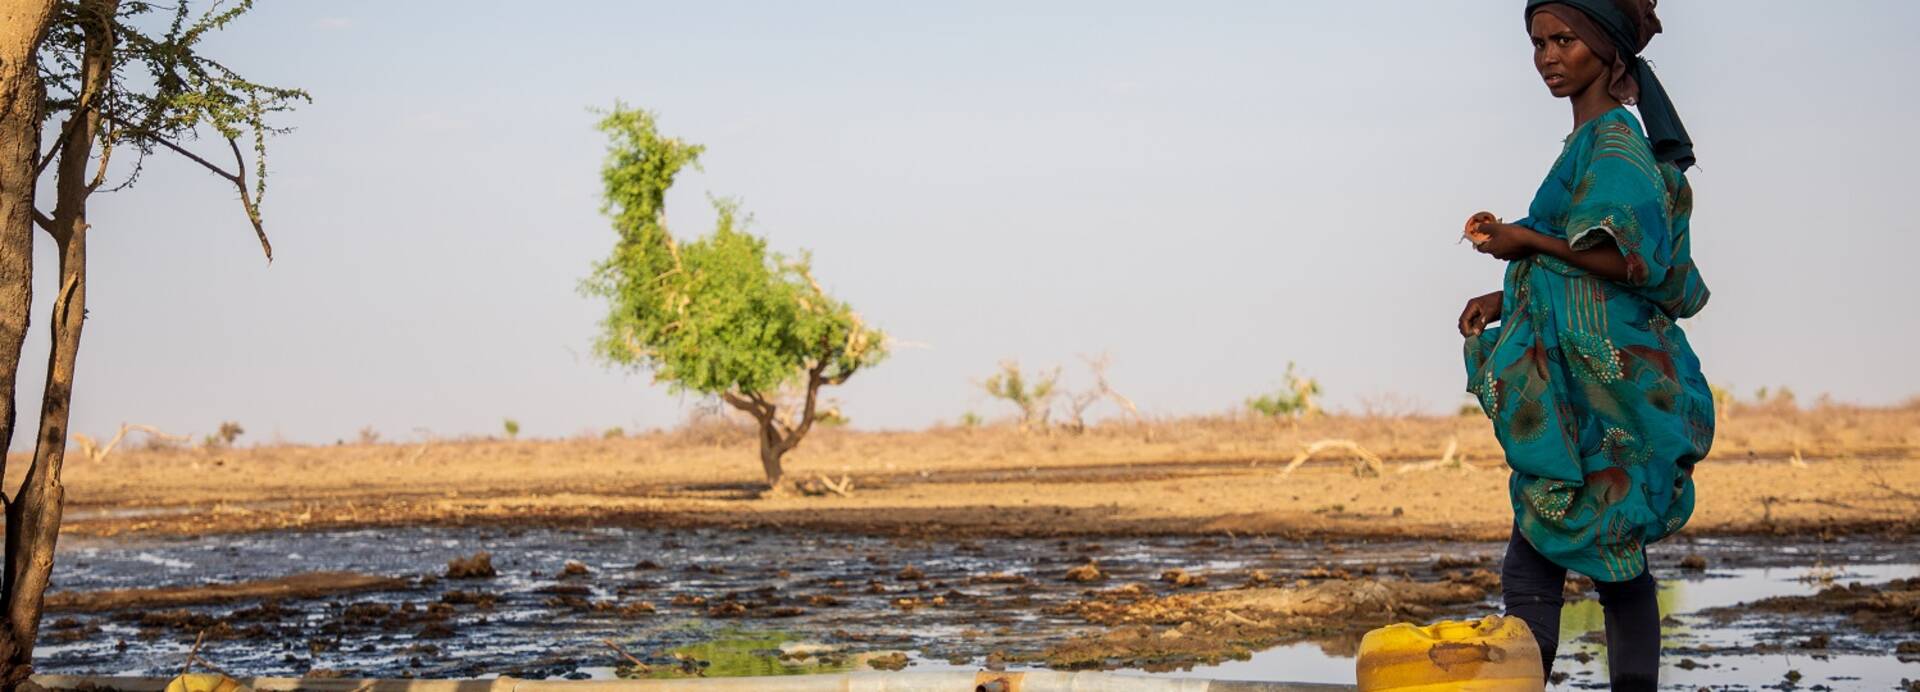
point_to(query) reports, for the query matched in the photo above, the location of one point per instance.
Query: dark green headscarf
(1628, 25)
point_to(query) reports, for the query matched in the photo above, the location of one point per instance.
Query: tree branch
(58, 144)
(814, 382)
(41, 219)
(239, 179)
(246, 199)
(100, 174)
(751, 403)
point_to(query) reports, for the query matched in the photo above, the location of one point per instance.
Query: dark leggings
(1532, 588)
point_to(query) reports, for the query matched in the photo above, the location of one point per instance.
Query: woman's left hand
(1507, 241)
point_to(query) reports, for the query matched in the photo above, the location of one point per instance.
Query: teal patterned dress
(1592, 388)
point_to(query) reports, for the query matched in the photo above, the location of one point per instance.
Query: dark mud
(307, 585)
(768, 602)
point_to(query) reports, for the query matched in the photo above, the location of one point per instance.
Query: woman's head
(1570, 43)
(1568, 63)
(1589, 50)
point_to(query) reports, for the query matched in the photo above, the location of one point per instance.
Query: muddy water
(738, 603)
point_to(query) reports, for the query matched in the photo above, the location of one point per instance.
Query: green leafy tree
(1300, 398)
(720, 315)
(512, 427)
(119, 92)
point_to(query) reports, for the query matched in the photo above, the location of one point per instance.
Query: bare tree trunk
(33, 516)
(770, 453)
(23, 24)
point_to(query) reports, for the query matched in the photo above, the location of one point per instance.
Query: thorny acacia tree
(115, 87)
(720, 315)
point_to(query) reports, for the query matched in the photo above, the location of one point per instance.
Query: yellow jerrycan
(204, 682)
(1492, 654)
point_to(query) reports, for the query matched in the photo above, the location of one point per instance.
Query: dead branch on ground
(1447, 460)
(1368, 464)
(641, 665)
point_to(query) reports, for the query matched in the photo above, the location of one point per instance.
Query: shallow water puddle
(849, 601)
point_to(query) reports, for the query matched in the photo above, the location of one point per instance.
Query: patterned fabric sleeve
(1621, 195)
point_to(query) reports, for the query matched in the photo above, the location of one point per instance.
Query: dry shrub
(712, 426)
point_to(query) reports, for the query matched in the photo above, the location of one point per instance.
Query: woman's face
(1564, 62)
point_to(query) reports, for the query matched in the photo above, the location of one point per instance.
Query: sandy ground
(1860, 473)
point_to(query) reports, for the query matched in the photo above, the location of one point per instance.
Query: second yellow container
(1492, 654)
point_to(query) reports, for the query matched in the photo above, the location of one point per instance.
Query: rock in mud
(1089, 572)
(1322, 572)
(997, 578)
(480, 599)
(435, 630)
(910, 573)
(366, 614)
(573, 569)
(1695, 563)
(892, 661)
(174, 619)
(477, 566)
(1180, 578)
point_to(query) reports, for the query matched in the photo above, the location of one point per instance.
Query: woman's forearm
(1602, 260)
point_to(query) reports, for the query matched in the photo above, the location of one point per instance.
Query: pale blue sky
(1206, 191)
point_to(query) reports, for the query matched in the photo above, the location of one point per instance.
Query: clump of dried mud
(1165, 632)
(1889, 607)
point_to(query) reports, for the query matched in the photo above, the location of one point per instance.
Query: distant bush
(512, 427)
(1032, 393)
(710, 426)
(832, 418)
(230, 431)
(1298, 399)
(613, 433)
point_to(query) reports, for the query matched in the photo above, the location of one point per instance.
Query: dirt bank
(297, 586)
(1858, 471)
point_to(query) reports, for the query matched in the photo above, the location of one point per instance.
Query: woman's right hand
(1478, 313)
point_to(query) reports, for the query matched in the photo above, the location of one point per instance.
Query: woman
(1593, 391)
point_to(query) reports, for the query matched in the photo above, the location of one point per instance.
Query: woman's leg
(1533, 589)
(1633, 631)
